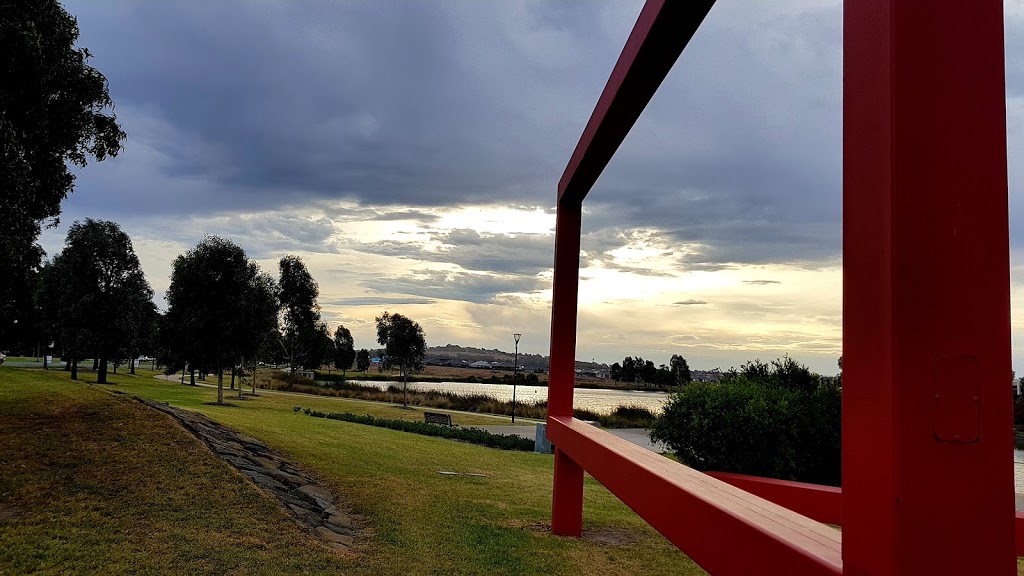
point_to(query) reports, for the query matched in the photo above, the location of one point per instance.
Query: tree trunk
(239, 378)
(116, 363)
(131, 363)
(405, 393)
(44, 358)
(192, 376)
(67, 365)
(220, 385)
(101, 376)
(254, 367)
(233, 378)
(96, 361)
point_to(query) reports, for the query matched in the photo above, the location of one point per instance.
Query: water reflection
(602, 401)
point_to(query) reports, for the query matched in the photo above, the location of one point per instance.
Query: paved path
(637, 436)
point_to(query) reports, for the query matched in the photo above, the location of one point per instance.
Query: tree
(680, 370)
(259, 296)
(404, 344)
(301, 332)
(344, 349)
(616, 372)
(222, 303)
(363, 360)
(52, 113)
(105, 293)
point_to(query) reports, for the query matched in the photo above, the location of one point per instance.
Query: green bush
(763, 426)
(1018, 411)
(471, 435)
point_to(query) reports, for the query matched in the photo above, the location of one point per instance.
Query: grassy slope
(100, 477)
(104, 485)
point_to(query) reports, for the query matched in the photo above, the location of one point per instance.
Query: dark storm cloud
(252, 106)
(387, 103)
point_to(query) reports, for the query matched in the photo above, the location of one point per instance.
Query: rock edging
(310, 505)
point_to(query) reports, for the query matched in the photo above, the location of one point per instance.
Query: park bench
(437, 418)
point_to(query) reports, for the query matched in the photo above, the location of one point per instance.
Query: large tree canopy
(344, 349)
(302, 334)
(221, 305)
(53, 111)
(104, 297)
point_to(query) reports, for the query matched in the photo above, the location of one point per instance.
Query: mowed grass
(95, 484)
(102, 484)
(188, 397)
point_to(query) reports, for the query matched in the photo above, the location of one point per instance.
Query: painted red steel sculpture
(927, 474)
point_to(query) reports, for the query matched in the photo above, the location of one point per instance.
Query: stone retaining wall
(311, 505)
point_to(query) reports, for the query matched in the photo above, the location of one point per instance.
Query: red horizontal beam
(661, 32)
(818, 502)
(724, 529)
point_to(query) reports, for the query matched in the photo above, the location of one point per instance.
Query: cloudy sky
(409, 153)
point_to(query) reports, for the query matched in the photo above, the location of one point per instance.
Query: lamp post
(515, 372)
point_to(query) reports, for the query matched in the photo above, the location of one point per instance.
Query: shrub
(471, 435)
(762, 428)
(1018, 411)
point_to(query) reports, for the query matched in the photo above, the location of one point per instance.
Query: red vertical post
(927, 474)
(567, 497)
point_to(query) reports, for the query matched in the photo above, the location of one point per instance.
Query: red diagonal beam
(661, 32)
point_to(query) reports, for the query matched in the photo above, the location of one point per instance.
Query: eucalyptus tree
(105, 294)
(302, 333)
(55, 111)
(363, 360)
(221, 302)
(344, 349)
(405, 347)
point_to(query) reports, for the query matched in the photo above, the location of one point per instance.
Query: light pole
(515, 371)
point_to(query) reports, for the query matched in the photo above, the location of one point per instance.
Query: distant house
(375, 360)
(705, 375)
(480, 364)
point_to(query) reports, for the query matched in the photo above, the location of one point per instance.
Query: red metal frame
(927, 475)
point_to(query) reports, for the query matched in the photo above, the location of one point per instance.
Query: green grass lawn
(96, 483)
(189, 397)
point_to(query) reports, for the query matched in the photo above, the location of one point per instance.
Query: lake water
(589, 399)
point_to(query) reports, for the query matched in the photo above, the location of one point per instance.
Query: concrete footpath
(637, 436)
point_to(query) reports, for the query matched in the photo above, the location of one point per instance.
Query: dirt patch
(611, 536)
(606, 536)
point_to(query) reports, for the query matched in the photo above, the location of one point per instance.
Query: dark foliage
(53, 114)
(1018, 411)
(303, 335)
(777, 420)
